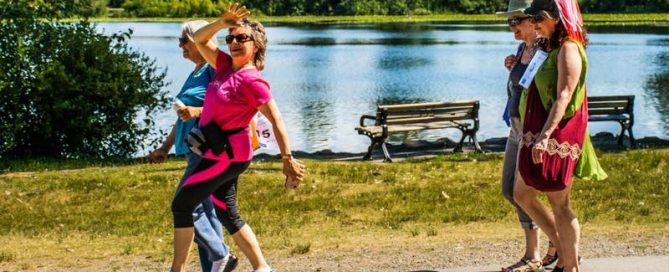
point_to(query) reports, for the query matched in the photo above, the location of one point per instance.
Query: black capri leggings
(214, 179)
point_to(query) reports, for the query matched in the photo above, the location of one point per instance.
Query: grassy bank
(590, 19)
(89, 213)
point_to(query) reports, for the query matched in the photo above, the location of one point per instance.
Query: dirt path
(431, 256)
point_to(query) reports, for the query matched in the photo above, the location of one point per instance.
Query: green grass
(590, 19)
(124, 210)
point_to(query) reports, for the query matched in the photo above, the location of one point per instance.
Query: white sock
(264, 269)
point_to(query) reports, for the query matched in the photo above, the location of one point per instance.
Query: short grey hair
(190, 27)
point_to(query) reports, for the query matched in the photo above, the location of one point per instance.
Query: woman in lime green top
(555, 144)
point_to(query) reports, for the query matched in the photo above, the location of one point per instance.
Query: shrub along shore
(590, 19)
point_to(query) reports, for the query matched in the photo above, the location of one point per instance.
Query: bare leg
(532, 244)
(567, 227)
(526, 197)
(183, 239)
(248, 244)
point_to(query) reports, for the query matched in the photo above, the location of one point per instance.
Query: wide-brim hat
(515, 8)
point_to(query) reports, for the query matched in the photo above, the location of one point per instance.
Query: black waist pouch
(211, 137)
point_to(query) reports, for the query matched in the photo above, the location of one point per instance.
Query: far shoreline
(622, 19)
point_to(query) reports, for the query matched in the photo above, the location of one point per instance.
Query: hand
(539, 147)
(157, 156)
(234, 14)
(294, 171)
(509, 61)
(186, 113)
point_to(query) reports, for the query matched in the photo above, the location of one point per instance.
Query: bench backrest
(428, 112)
(602, 105)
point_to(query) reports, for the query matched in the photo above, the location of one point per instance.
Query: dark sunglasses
(240, 38)
(183, 40)
(541, 16)
(516, 21)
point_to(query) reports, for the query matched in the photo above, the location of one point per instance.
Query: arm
(159, 155)
(202, 36)
(569, 74)
(293, 169)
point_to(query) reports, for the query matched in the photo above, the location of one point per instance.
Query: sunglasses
(516, 21)
(541, 16)
(240, 38)
(183, 40)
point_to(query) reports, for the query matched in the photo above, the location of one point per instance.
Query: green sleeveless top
(546, 79)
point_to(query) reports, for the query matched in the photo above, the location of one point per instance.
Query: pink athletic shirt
(231, 100)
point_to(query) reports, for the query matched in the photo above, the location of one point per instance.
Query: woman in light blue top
(214, 255)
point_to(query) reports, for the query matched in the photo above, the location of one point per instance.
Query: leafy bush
(187, 8)
(69, 91)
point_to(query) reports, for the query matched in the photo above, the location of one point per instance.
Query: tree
(69, 91)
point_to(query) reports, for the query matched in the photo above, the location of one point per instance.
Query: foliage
(69, 91)
(187, 8)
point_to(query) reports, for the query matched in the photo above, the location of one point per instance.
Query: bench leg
(632, 141)
(386, 153)
(458, 147)
(476, 143)
(622, 134)
(368, 156)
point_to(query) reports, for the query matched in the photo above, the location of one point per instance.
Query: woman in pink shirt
(235, 94)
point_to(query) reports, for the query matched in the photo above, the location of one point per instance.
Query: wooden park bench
(614, 108)
(463, 115)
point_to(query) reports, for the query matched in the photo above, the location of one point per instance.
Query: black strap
(217, 139)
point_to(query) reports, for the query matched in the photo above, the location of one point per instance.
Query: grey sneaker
(227, 264)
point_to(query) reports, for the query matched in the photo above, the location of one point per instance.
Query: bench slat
(608, 117)
(427, 119)
(431, 111)
(610, 98)
(377, 130)
(428, 105)
(608, 104)
(606, 111)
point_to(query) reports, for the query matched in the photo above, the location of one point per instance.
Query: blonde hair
(259, 40)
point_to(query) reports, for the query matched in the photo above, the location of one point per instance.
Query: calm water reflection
(325, 77)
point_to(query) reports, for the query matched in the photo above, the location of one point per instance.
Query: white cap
(190, 27)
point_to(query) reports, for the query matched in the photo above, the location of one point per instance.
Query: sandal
(549, 259)
(525, 265)
(561, 269)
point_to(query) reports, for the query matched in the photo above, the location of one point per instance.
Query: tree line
(187, 8)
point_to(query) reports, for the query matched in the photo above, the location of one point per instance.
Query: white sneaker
(227, 264)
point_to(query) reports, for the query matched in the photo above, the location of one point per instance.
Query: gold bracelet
(287, 157)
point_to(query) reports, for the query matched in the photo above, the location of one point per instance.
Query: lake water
(324, 77)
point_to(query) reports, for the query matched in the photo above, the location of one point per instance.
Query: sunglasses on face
(183, 40)
(240, 38)
(516, 21)
(541, 16)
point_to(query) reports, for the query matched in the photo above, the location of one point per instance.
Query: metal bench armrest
(368, 117)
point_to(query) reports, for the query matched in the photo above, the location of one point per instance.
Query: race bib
(265, 132)
(532, 68)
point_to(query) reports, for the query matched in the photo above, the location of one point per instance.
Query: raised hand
(234, 14)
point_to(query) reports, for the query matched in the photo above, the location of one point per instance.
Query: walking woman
(214, 254)
(233, 97)
(523, 30)
(555, 144)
